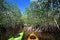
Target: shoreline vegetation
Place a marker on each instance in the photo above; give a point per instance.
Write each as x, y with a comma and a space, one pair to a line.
41, 17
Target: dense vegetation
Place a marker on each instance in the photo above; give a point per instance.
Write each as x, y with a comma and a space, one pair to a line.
10, 19
42, 14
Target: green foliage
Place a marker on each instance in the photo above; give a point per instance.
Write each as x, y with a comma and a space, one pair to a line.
41, 12
9, 14
38, 13
10, 19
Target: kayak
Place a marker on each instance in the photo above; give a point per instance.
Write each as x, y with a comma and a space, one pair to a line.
32, 36
17, 38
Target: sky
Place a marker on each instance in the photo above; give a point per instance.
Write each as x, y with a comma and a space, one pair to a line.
22, 4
